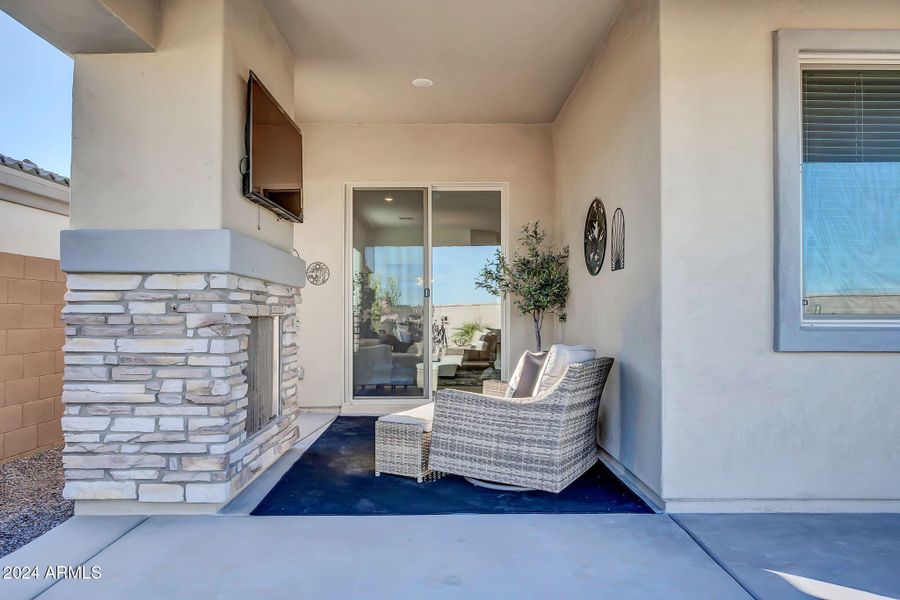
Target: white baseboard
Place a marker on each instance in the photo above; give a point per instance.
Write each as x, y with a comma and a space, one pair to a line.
746, 505
640, 488
782, 505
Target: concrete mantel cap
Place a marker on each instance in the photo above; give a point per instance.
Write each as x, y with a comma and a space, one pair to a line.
177, 251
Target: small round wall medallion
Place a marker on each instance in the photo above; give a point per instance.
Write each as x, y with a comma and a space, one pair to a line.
317, 273
595, 237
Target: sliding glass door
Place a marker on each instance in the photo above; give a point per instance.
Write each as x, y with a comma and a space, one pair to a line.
465, 235
419, 321
389, 267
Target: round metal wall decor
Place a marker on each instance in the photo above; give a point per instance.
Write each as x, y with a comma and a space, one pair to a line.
617, 241
595, 237
317, 273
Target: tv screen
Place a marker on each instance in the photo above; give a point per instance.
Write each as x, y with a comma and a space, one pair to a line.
273, 174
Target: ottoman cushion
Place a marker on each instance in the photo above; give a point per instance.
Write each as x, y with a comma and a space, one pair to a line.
420, 415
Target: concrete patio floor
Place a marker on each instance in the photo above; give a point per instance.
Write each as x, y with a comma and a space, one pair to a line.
455, 556
859, 551
620, 556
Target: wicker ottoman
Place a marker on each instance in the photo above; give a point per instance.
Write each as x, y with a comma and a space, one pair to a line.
402, 441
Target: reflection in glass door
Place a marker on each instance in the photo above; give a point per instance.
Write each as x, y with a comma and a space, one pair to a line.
389, 313
465, 234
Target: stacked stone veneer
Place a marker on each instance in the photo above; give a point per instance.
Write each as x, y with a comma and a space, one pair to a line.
154, 388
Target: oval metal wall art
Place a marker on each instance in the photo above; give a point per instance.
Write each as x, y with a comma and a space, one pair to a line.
617, 241
595, 237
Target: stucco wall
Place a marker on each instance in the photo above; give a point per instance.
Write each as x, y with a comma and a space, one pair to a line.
741, 421
253, 42
147, 128
158, 137
30, 231
489, 315
606, 144
337, 154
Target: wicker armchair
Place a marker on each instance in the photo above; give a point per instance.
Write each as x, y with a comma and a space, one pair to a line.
545, 442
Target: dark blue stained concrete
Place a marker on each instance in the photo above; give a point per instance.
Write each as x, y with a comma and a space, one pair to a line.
336, 476
860, 551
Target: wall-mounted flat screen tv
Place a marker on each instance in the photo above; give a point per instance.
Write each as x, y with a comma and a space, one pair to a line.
273, 170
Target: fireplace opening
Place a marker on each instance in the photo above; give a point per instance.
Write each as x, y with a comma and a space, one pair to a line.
263, 372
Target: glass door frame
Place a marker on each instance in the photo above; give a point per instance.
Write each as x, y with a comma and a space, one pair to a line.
382, 404
350, 399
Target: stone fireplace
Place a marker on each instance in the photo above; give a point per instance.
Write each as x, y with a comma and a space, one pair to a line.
156, 390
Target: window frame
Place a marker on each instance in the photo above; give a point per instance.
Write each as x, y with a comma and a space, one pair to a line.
796, 49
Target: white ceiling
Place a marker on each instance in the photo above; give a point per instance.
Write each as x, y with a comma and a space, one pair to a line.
492, 61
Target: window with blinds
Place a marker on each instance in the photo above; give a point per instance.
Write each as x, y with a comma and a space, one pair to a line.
851, 193
851, 116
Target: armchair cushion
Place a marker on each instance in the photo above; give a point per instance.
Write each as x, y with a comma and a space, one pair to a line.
558, 358
372, 365
525, 378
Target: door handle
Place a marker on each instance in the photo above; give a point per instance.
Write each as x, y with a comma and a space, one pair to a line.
428, 292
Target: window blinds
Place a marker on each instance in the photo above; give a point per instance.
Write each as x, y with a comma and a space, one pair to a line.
851, 116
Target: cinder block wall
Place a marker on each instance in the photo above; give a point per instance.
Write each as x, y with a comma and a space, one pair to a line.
32, 294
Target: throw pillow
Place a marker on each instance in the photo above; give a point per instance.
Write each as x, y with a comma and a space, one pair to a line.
559, 357
526, 376
479, 343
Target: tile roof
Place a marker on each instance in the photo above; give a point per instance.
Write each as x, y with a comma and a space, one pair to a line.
26, 166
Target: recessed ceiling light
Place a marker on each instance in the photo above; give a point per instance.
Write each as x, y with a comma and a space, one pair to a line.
388, 199
422, 82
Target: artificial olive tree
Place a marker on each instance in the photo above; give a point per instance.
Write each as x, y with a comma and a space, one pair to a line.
537, 278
